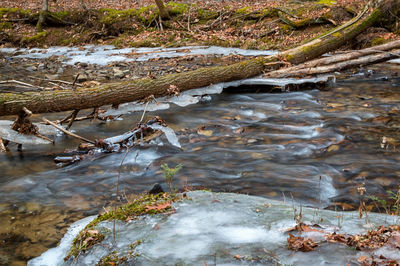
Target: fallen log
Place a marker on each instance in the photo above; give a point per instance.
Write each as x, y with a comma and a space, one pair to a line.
340, 61
347, 64
290, 71
132, 90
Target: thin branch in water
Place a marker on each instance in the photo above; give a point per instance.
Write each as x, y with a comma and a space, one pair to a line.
67, 132
144, 112
117, 193
73, 117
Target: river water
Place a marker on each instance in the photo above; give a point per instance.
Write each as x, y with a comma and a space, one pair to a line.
317, 146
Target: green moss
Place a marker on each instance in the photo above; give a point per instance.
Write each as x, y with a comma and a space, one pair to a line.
20, 11
111, 16
176, 8
114, 258
37, 39
378, 41
5, 25
269, 12
61, 15
243, 10
327, 2
111, 259
140, 206
84, 241
205, 15
147, 14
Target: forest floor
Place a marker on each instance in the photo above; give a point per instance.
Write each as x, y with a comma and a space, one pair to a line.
246, 24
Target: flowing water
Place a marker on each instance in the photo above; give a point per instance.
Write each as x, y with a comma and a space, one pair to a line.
317, 146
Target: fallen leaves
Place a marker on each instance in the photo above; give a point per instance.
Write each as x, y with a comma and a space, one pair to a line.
159, 207
301, 227
372, 240
298, 243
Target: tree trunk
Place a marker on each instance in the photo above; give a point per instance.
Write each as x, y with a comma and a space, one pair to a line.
132, 90
163, 11
43, 15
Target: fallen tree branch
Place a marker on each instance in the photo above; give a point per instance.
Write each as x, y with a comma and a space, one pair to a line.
285, 72
66, 131
384, 56
132, 90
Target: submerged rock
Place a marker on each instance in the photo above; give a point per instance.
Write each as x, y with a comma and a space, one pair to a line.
221, 228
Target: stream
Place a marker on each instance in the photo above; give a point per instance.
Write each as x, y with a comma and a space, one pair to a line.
315, 146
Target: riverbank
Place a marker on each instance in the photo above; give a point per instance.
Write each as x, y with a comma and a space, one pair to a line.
244, 24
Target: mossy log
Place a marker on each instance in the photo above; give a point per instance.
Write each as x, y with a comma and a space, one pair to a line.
131, 90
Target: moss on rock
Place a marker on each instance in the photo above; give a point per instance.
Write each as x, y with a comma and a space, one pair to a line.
143, 204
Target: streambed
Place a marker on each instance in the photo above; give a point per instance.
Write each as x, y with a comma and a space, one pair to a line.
318, 146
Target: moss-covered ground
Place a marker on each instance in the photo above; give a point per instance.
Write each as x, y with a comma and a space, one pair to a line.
267, 25
142, 204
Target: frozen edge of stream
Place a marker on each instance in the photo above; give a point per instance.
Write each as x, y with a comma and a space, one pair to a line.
105, 54
210, 222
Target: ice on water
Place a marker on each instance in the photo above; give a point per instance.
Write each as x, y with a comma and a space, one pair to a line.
169, 134
11, 135
225, 225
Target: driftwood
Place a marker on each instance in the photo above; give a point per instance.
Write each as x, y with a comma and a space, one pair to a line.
132, 90
141, 134
341, 61
343, 65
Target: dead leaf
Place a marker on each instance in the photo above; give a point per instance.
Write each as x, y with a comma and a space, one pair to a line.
205, 132
297, 243
159, 207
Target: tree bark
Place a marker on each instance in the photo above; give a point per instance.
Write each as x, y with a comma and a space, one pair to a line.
163, 11
365, 60
43, 15
339, 58
132, 90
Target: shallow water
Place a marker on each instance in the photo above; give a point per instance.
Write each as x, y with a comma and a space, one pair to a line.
317, 146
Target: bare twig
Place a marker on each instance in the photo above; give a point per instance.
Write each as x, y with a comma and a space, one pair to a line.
144, 111
44, 137
188, 21
58, 85
161, 26
59, 80
72, 119
75, 80
117, 192
20, 83
67, 132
